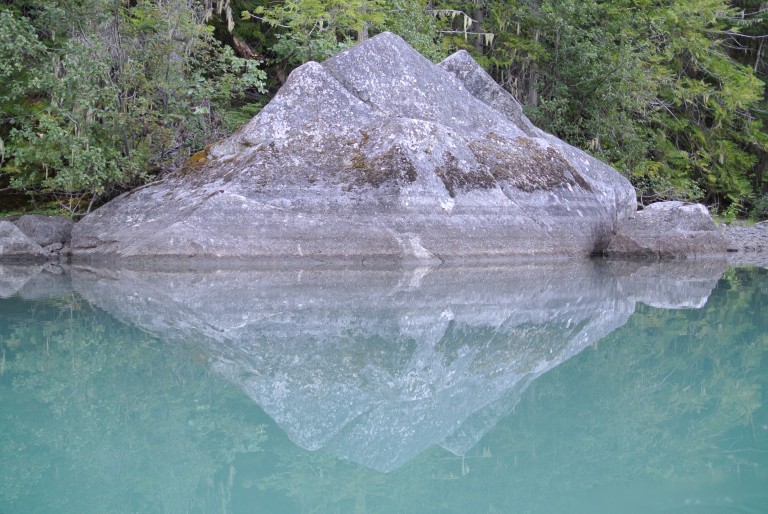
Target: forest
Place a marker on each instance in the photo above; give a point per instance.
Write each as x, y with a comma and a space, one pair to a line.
98, 97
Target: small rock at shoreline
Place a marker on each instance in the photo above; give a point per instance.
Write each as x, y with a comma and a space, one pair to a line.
747, 244
33, 238
667, 230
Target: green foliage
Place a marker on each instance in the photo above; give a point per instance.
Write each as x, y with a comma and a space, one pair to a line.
19, 47
71, 145
409, 20
133, 89
657, 181
317, 29
760, 208
707, 98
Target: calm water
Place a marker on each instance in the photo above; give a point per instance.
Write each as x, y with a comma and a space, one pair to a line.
577, 387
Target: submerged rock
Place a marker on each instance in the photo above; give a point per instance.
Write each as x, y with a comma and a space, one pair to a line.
375, 154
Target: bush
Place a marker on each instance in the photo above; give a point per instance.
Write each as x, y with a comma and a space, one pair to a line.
81, 121
760, 208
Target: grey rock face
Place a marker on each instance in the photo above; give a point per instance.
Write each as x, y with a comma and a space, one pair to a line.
376, 366
484, 88
375, 154
15, 246
46, 230
668, 230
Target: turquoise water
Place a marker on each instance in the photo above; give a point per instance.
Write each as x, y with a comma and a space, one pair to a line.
570, 387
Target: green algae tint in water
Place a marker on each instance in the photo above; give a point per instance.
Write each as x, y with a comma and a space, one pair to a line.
572, 388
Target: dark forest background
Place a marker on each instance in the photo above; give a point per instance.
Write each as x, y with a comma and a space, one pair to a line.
100, 96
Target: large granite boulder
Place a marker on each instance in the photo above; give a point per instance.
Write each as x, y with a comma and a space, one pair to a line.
15, 246
375, 154
668, 230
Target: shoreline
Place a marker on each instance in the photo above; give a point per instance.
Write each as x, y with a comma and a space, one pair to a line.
747, 244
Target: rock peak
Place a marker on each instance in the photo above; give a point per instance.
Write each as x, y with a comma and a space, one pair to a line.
376, 154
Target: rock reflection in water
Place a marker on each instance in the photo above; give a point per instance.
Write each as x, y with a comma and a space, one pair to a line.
34, 282
377, 365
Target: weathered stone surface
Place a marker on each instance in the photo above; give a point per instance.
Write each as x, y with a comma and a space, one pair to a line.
668, 230
375, 154
376, 366
15, 246
483, 87
46, 230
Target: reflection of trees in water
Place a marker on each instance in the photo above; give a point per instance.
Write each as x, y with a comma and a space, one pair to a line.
674, 396
100, 417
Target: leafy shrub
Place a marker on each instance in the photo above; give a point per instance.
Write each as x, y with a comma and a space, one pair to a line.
760, 208
133, 92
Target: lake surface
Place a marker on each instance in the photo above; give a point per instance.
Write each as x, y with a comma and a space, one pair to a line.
567, 387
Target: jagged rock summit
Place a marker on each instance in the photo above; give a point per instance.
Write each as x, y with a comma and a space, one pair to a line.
375, 154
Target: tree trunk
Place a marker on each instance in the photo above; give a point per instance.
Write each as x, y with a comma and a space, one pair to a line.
532, 96
477, 26
244, 50
362, 34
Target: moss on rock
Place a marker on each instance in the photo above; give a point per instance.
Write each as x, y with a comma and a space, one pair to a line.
526, 165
